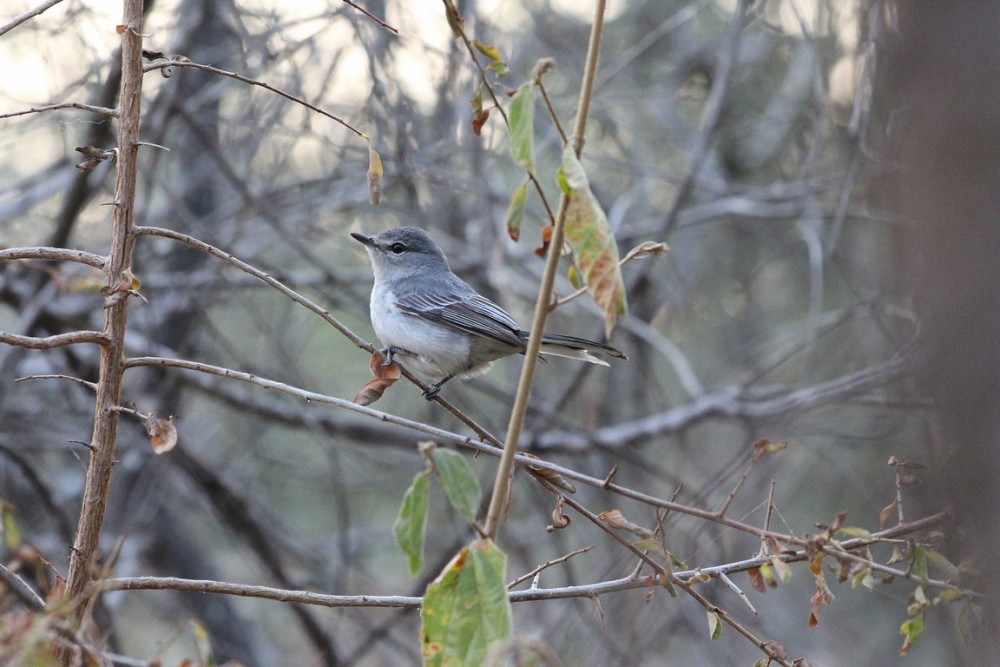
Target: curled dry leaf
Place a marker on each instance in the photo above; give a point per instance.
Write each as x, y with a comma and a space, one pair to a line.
162, 433
616, 519
384, 376
94, 157
646, 249
553, 478
559, 519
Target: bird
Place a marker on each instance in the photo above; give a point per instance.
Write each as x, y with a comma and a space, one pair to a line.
436, 324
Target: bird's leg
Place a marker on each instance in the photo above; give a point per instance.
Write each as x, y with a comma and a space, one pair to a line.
390, 354
434, 389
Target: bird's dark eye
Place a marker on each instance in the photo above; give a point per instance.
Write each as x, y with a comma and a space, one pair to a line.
397, 248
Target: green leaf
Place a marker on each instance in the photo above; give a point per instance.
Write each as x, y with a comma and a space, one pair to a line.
853, 531
466, 608
589, 234
515, 211
411, 525
459, 483
942, 564
714, 625
522, 126
919, 567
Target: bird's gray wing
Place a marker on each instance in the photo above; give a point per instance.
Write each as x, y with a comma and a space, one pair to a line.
470, 312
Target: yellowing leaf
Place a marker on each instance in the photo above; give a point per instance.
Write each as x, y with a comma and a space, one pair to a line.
491, 52
11, 531
515, 211
466, 609
588, 233
374, 176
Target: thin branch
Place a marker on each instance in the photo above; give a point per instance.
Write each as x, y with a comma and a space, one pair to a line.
104, 111
555, 561
23, 589
89, 385
31, 13
55, 255
253, 82
371, 16
104, 436
58, 340
245, 590
733, 402
260, 275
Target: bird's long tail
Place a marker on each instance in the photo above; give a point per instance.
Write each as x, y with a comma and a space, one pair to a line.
572, 347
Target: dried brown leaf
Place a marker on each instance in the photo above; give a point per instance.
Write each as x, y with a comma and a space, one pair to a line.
616, 519
162, 433
757, 580
385, 377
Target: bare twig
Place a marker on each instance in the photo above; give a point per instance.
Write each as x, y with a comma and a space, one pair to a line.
548, 564
57, 340
371, 16
23, 589
31, 13
55, 255
89, 385
65, 105
253, 82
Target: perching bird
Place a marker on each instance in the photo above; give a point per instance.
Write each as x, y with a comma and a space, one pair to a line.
436, 324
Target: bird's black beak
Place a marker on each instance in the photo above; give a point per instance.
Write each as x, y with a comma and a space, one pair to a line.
361, 238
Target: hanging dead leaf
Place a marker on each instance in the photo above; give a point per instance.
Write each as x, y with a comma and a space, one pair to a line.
546, 240
757, 580
162, 433
559, 519
385, 377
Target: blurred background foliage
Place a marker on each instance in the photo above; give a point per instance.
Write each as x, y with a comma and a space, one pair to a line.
775, 314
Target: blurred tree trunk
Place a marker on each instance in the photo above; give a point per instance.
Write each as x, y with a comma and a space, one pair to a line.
943, 67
